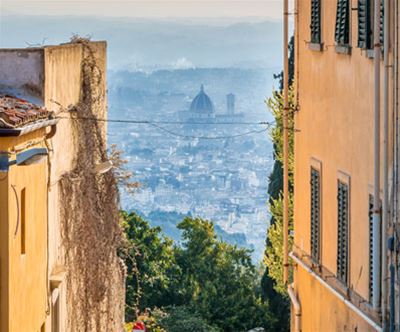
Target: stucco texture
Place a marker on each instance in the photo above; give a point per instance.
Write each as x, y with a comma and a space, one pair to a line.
335, 128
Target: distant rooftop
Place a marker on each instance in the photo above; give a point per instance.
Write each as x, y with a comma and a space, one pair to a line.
202, 103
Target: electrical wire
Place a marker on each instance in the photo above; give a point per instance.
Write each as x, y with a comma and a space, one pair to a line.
156, 124
164, 122
210, 137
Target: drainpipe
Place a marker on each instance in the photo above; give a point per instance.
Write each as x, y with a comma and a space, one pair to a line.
385, 201
376, 209
296, 307
285, 142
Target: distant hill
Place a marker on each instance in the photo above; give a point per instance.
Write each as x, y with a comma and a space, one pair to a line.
141, 43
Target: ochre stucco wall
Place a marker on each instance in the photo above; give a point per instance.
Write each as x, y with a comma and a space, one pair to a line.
24, 300
335, 123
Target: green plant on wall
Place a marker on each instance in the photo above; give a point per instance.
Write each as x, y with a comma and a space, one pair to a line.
272, 285
274, 242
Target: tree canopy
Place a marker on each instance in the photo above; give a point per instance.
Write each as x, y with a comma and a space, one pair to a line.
201, 280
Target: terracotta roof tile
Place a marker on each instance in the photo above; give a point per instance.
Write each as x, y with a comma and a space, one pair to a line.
16, 112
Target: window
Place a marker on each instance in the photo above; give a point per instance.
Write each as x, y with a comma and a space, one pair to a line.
342, 28
343, 232
315, 25
23, 221
366, 23
315, 183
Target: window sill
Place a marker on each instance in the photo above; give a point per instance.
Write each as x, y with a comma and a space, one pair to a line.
343, 49
319, 47
370, 54
327, 279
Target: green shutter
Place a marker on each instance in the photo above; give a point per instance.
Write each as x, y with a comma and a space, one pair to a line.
315, 25
342, 28
381, 23
315, 214
370, 249
364, 24
343, 232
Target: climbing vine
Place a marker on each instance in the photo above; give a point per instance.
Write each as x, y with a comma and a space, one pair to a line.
91, 235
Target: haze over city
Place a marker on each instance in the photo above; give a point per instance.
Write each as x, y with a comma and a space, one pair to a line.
270, 9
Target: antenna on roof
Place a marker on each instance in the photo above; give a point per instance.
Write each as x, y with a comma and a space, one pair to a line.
202, 88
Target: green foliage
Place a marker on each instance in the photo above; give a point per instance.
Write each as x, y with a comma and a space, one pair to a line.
208, 283
275, 105
272, 284
274, 251
291, 66
221, 278
182, 319
151, 266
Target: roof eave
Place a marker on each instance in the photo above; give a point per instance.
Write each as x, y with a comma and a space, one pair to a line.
13, 132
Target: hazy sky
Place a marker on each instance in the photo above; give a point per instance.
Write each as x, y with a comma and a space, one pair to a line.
147, 9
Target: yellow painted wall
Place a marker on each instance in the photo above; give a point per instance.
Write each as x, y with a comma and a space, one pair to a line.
24, 300
335, 123
321, 310
24, 279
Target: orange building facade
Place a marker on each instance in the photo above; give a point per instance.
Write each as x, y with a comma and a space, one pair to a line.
334, 165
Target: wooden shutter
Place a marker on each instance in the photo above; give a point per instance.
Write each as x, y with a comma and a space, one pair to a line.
381, 22
315, 26
343, 232
370, 249
342, 28
315, 184
364, 24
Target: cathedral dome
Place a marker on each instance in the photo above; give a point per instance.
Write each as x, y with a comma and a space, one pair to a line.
202, 103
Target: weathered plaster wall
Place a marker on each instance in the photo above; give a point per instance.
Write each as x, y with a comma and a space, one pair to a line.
83, 205
23, 69
62, 88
